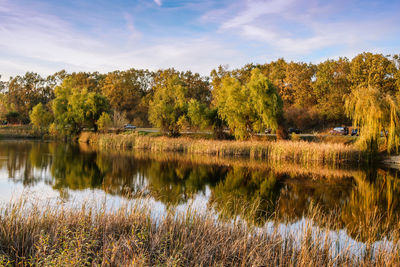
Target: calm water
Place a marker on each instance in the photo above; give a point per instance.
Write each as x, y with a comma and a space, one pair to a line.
231, 187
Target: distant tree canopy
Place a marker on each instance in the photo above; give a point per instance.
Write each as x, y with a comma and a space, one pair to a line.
126, 91
277, 94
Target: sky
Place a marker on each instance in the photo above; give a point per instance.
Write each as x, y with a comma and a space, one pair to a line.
46, 36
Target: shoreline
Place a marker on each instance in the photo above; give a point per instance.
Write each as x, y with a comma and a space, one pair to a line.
272, 151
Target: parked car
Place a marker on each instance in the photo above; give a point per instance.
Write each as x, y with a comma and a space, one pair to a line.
268, 131
4, 122
355, 132
340, 131
129, 127
294, 130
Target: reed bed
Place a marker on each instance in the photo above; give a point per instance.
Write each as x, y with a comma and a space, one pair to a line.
56, 235
274, 151
18, 132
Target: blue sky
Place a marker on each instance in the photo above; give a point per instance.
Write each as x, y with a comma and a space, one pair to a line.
46, 36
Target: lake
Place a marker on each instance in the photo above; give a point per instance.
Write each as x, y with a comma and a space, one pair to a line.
232, 188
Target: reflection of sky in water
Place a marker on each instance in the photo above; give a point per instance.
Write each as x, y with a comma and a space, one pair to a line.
41, 189
339, 240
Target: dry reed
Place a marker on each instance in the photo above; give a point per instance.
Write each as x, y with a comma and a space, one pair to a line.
43, 235
274, 151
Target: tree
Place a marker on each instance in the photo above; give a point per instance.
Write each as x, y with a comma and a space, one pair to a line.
25, 92
248, 107
76, 107
40, 118
276, 73
104, 122
297, 88
198, 114
374, 112
173, 91
168, 105
126, 91
373, 70
331, 84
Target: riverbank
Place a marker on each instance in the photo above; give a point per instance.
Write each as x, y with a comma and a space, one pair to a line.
57, 235
18, 132
274, 151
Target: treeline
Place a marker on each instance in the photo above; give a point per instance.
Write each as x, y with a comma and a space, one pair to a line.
274, 95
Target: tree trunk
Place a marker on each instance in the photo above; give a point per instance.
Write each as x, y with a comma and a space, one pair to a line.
281, 133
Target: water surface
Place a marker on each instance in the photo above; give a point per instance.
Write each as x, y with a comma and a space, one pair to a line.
232, 187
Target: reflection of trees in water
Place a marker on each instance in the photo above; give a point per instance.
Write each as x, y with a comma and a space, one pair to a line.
25, 162
374, 206
175, 182
74, 170
299, 193
252, 193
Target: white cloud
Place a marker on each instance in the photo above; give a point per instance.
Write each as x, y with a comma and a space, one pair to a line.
158, 2
301, 27
134, 33
43, 43
256, 8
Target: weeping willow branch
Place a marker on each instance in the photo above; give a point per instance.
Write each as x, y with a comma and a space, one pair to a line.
375, 113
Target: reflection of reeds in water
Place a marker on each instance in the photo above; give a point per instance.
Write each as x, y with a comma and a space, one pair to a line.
273, 151
325, 172
48, 235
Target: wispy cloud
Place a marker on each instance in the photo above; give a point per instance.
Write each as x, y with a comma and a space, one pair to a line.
47, 37
134, 33
302, 27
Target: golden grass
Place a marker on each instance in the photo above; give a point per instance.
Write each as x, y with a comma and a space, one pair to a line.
274, 151
18, 131
54, 235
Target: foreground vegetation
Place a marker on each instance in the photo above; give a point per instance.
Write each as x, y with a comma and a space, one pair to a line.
273, 151
37, 234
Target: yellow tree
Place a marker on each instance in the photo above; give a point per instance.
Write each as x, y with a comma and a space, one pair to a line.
375, 113
248, 107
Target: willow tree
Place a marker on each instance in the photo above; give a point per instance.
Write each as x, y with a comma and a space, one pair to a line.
375, 114
248, 107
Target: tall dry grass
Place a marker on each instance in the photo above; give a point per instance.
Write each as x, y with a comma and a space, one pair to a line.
274, 151
48, 235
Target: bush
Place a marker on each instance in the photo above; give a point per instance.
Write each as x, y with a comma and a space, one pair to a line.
104, 122
40, 118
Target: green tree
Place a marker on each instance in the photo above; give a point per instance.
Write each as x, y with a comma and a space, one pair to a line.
104, 122
172, 93
40, 118
374, 112
198, 114
168, 105
75, 108
249, 107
